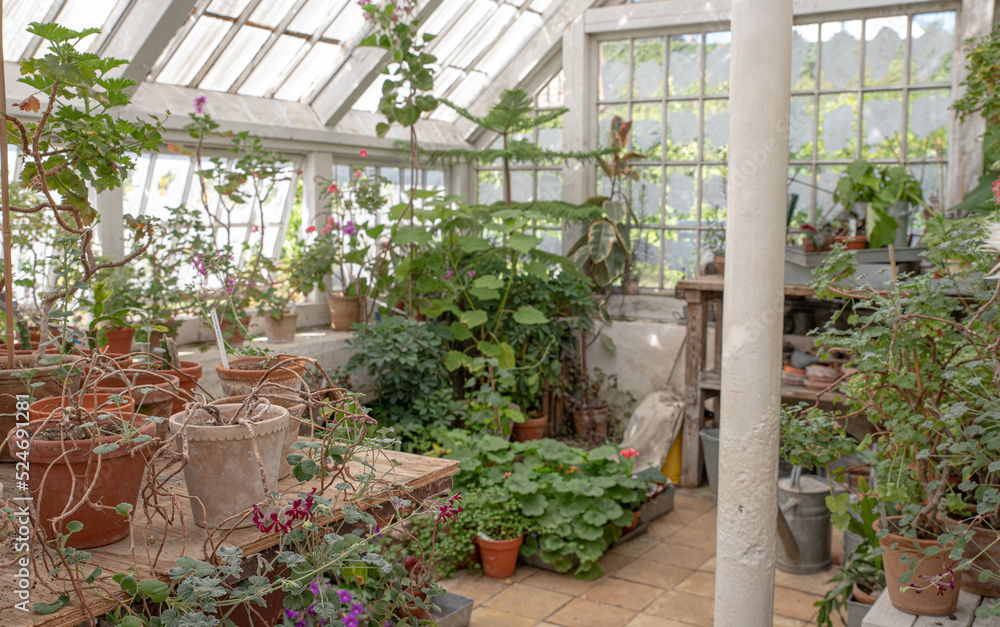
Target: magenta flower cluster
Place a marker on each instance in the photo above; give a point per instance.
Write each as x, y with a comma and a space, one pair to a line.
449, 508
199, 105
300, 509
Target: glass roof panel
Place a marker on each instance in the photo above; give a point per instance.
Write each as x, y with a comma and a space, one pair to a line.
315, 13
452, 37
237, 55
194, 51
369, 100
272, 67
270, 12
90, 14
523, 29
486, 36
349, 24
314, 68
539, 5
446, 13
229, 8
17, 14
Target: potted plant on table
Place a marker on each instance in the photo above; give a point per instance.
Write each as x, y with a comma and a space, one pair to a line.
500, 528
817, 239
876, 204
276, 304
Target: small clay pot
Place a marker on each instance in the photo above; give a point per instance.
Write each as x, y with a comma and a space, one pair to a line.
630, 287
16, 382
188, 375
102, 403
153, 391
499, 556
863, 597
244, 373
70, 469
227, 451
531, 429
119, 341
296, 410
933, 602
234, 331
720, 264
345, 311
635, 523
852, 242
281, 331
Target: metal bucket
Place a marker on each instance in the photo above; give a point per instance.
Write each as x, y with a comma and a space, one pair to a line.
710, 450
803, 505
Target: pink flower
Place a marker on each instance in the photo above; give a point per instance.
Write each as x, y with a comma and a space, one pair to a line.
996, 191
333, 188
255, 229
349, 228
506, 474
629, 453
363, 153
447, 275
326, 230
357, 174
471, 273
199, 104
310, 229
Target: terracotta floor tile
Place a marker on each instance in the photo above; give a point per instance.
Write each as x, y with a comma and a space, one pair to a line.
696, 536
662, 529
653, 572
815, 583
784, 621
490, 617
477, 588
692, 504
522, 573
637, 547
679, 555
700, 584
623, 593
526, 600
648, 620
584, 613
612, 561
794, 604
683, 608
708, 565
565, 583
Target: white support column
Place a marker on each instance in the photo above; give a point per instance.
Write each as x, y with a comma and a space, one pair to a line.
751, 359
111, 228
577, 123
318, 165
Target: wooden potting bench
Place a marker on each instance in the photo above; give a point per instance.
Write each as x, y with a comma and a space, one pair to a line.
414, 477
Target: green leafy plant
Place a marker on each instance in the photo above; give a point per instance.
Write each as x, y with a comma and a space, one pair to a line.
880, 188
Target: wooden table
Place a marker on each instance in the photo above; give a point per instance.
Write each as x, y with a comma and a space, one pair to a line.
883, 614
416, 477
700, 293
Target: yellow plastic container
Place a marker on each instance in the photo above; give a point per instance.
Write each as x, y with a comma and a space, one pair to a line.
672, 465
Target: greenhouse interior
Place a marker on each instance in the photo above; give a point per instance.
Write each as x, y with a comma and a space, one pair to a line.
364, 313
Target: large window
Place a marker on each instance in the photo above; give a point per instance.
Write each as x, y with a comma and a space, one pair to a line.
877, 88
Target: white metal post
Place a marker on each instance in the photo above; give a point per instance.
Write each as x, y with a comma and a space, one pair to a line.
760, 94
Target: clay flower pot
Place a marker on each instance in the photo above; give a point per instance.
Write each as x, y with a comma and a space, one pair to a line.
56, 379
296, 410
102, 403
630, 287
281, 331
635, 522
983, 550
233, 332
863, 597
936, 600
244, 373
345, 311
153, 392
531, 429
499, 556
852, 242
227, 451
119, 341
188, 375
70, 468
720, 264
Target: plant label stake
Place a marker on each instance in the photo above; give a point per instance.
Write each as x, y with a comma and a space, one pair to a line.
218, 338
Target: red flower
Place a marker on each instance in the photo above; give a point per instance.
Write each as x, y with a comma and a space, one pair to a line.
333, 188
310, 229
363, 153
629, 453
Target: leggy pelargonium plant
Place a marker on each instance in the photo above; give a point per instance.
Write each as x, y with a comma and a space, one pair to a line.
74, 144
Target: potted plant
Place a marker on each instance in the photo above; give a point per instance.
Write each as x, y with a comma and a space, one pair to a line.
876, 204
715, 242
153, 392
277, 307
283, 374
296, 413
817, 239
500, 528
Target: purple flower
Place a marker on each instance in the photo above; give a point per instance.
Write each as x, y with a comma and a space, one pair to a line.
199, 265
199, 104
350, 621
314, 587
292, 614
471, 273
345, 596
349, 228
447, 275
357, 609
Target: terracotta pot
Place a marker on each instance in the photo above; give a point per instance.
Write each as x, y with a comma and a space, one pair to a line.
244, 373
345, 311
153, 392
281, 331
119, 341
630, 287
270, 614
863, 597
68, 476
188, 375
931, 602
54, 379
499, 556
808, 246
227, 451
720, 264
90, 402
232, 332
296, 411
531, 429
635, 523
852, 242
592, 420
983, 549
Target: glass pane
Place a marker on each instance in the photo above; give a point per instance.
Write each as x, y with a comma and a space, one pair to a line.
435, 180
649, 73
269, 12
314, 14
272, 66
933, 180
685, 65
717, 50
646, 257
551, 96
348, 23
682, 188
800, 190
613, 73
801, 125
490, 187
841, 50
929, 118
647, 195
167, 187
647, 130
17, 14
933, 36
713, 194
522, 187
550, 137
194, 51
679, 256
314, 69
485, 36
503, 49
604, 116
229, 8
134, 187
884, 47
716, 130
682, 131
238, 54
826, 183
838, 121
804, 42
550, 185
883, 125
551, 240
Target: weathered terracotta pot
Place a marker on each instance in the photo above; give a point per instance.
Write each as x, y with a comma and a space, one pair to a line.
102, 403
630, 287
635, 522
932, 602
983, 549
295, 410
531, 429
226, 451
345, 311
153, 392
63, 471
499, 556
281, 331
863, 597
119, 341
852, 242
244, 373
233, 332
188, 375
57, 379
720, 264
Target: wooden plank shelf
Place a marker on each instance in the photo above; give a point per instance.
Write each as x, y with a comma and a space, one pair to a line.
414, 476
883, 614
711, 380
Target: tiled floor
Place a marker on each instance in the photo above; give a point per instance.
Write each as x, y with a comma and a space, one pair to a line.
664, 578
